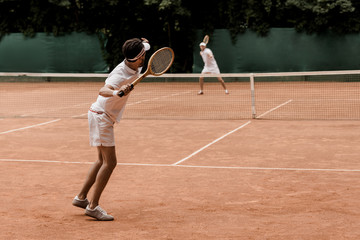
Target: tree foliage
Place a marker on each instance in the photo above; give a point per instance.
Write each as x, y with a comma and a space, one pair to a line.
173, 22
316, 16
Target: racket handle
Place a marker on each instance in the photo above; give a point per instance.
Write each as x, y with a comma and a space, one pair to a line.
121, 93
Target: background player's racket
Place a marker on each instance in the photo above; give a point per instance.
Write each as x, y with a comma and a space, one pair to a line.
206, 39
158, 64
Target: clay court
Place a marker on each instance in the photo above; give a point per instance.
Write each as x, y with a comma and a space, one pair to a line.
181, 175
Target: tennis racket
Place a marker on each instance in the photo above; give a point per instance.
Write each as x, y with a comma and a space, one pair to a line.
158, 64
206, 39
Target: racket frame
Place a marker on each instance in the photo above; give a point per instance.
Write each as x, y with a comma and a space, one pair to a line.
206, 39
149, 71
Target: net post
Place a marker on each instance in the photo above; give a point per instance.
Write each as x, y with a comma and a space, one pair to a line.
252, 87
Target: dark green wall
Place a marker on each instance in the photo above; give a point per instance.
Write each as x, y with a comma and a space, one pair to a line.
77, 52
283, 50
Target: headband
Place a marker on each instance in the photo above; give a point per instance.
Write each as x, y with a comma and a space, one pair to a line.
146, 46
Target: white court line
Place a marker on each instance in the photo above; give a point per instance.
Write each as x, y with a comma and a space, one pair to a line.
208, 145
142, 101
279, 169
273, 109
157, 98
53, 109
42, 161
193, 166
36, 125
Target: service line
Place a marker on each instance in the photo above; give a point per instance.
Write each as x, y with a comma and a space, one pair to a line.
36, 125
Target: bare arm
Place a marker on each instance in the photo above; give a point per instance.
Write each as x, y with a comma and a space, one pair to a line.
108, 90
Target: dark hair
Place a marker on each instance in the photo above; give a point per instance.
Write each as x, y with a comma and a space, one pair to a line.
132, 48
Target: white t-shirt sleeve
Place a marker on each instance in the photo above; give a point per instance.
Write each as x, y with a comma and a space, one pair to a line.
115, 81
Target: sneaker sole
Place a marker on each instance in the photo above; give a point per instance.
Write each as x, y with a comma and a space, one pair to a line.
89, 214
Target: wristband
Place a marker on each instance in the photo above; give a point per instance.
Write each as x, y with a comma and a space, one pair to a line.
115, 93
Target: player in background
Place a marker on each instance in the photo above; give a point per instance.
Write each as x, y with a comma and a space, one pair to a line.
210, 67
102, 116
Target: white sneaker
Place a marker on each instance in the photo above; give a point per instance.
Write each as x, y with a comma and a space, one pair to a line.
226, 91
200, 92
98, 213
80, 203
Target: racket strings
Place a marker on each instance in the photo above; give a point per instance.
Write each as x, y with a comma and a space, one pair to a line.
161, 61
206, 39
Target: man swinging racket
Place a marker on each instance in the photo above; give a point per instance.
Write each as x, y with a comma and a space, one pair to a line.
102, 115
210, 65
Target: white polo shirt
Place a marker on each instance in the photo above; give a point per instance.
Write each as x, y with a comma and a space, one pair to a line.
115, 106
210, 65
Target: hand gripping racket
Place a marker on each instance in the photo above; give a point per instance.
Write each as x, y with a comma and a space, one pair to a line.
158, 64
206, 39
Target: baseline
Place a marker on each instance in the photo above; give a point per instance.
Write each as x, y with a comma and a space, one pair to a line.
192, 166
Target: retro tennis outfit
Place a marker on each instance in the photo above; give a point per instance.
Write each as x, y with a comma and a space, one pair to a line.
106, 111
210, 65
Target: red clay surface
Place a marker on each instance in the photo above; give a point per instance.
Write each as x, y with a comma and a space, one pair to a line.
266, 180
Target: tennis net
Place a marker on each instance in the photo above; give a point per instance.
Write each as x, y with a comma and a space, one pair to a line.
333, 95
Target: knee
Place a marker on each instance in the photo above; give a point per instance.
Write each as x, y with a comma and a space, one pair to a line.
111, 165
99, 162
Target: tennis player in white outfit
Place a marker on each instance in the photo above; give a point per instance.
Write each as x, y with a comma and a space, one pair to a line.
210, 67
102, 115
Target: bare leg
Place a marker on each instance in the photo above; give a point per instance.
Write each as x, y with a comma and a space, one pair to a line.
99, 174
222, 82
108, 165
90, 180
201, 81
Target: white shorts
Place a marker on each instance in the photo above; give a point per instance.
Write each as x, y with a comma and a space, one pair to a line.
211, 70
101, 130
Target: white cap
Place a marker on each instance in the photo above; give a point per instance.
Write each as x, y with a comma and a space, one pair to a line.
203, 44
146, 46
